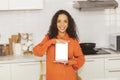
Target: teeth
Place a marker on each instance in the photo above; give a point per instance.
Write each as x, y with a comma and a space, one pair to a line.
61, 27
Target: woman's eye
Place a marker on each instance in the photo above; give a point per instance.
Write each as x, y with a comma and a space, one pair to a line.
66, 21
58, 21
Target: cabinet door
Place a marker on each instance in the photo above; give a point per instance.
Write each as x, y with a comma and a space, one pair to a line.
112, 63
114, 73
112, 67
3, 4
5, 72
25, 4
93, 68
25, 71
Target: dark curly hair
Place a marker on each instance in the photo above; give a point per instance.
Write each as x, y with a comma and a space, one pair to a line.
71, 30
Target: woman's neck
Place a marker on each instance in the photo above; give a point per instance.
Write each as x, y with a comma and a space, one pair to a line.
62, 34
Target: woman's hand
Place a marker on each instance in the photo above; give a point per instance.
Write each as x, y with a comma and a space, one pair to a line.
61, 62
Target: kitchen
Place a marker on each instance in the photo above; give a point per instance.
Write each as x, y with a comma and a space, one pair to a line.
93, 26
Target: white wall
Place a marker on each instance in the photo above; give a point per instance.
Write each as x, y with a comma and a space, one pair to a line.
93, 26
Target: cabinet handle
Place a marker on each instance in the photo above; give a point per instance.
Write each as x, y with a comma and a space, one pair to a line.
114, 59
89, 60
114, 71
26, 64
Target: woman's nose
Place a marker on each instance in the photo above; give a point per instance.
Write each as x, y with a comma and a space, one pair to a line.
62, 23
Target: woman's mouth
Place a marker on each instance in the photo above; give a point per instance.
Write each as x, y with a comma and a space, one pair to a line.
62, 28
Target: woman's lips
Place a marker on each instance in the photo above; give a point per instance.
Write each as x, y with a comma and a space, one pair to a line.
62, 28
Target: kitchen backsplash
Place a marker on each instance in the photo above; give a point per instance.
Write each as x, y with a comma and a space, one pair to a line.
93, 26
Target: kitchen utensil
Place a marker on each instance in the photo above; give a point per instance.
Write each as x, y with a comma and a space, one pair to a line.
10, 46
87, 45
88, 48
17, 49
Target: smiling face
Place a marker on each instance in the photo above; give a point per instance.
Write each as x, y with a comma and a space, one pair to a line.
62, 24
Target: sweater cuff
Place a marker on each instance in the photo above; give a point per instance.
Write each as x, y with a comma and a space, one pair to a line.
72, 62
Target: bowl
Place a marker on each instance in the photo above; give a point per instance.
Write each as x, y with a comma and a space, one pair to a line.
87, 45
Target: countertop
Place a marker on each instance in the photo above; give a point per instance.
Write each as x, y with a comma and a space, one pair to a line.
112, 53
32, 58
107, 79
16, 59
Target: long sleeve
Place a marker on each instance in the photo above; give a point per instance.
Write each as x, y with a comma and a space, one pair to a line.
78, 59
42, 47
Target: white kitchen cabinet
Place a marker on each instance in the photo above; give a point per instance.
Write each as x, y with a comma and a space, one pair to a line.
25, 4
21, 4
5, 72
25, 71
93, 68
112, 67
3, 4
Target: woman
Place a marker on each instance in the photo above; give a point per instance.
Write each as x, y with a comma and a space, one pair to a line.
62, 29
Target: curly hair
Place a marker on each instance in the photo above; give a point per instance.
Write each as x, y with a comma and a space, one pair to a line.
71, 30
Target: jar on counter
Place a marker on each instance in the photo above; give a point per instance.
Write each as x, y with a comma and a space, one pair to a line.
4, 49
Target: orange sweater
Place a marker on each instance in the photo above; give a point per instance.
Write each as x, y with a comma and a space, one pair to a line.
58, 71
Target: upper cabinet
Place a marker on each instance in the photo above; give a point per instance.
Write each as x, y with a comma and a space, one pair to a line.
21, 4
26, 4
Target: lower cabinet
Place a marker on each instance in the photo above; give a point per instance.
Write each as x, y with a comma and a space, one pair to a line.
112, 67
20, 71
25, 71
5, 72
93, 68
112, 73
97, 68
